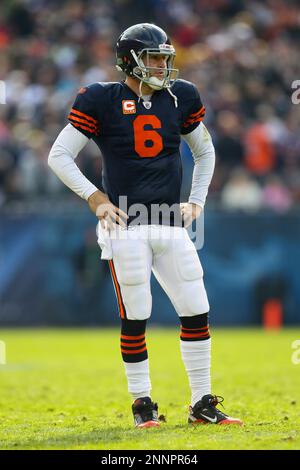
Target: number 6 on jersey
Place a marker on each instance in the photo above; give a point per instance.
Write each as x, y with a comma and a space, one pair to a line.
141, 136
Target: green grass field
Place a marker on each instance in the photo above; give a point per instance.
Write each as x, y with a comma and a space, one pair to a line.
66, 389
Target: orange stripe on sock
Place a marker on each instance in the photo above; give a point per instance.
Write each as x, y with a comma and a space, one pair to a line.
137, 351
119, 297
194, 335
133, 337
131, 345
193, 329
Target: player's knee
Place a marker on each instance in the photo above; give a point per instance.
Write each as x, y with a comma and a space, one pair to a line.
192, 291
194, 298
138, 301
195, 322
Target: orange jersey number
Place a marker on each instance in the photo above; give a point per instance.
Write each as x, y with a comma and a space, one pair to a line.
141, 136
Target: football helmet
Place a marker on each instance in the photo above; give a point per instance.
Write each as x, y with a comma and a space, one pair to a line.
134, 48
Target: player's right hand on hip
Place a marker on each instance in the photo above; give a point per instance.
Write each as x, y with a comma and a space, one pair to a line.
111, 214
106, 211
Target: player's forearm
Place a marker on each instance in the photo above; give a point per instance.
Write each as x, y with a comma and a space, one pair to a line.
203, 152
202, 176
61, 160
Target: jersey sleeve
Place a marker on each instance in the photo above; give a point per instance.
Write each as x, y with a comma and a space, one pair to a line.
83, 115
194, 111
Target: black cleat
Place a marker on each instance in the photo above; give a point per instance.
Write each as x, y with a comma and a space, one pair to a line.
205, 412
145, 413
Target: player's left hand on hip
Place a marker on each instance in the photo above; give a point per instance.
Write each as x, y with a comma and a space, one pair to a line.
189, 212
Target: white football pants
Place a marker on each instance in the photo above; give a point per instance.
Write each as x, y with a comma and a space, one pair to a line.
171, 255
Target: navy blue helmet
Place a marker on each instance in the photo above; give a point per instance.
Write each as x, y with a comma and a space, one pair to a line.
134, 47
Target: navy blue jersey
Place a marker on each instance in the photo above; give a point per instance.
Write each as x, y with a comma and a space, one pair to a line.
139, 144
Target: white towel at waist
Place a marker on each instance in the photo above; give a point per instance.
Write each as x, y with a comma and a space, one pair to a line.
104, 241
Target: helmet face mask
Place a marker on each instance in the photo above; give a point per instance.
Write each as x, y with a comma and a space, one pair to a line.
148, 74
135, 47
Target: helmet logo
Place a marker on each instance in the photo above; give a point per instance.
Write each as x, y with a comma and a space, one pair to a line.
167, 47
128, 107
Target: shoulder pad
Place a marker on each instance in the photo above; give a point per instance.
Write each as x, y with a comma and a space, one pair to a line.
185, 89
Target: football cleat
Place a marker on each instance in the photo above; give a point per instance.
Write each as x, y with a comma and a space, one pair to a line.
145, 413
205, 412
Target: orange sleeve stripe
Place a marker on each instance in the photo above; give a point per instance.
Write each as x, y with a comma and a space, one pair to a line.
196, 117
133, 337
86, 116
84, 121
191, 119
189, 123
200, 110
118, 292
137, 351
133, 345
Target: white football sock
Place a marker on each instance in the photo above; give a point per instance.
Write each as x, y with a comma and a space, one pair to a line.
137, 373
196, 358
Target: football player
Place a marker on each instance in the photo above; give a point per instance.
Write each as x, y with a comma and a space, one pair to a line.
137, 125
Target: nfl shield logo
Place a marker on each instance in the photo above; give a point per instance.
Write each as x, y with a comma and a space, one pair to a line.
147, 104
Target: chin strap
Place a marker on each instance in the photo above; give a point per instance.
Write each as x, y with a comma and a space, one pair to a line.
140, 91
168, 90
173, 96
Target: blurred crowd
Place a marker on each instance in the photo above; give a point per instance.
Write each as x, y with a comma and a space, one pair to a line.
242, 55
